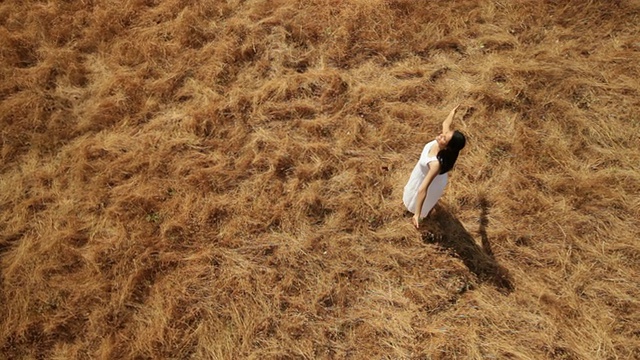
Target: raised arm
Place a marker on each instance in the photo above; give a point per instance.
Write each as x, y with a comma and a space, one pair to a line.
434, 169
446, 125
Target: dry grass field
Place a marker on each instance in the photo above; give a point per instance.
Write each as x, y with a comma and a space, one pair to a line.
216, 179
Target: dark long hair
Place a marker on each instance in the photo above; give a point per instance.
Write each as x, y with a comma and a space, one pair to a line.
448, 156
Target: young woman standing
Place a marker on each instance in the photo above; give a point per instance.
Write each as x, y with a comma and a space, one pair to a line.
429, 177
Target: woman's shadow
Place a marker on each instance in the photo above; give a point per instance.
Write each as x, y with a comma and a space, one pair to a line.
444, 229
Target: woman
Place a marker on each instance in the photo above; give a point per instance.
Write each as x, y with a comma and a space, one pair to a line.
429, 176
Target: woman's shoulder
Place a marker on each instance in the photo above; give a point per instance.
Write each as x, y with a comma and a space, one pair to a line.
427, 147
426, 156
430, 148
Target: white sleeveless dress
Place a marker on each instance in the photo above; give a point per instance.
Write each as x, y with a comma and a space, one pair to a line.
435, 190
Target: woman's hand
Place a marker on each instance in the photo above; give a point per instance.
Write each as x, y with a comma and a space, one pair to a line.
446, 125
415, 220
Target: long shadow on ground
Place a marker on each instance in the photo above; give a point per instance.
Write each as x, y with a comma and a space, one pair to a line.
443, 229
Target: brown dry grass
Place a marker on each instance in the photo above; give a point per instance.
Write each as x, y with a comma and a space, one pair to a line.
223, 179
